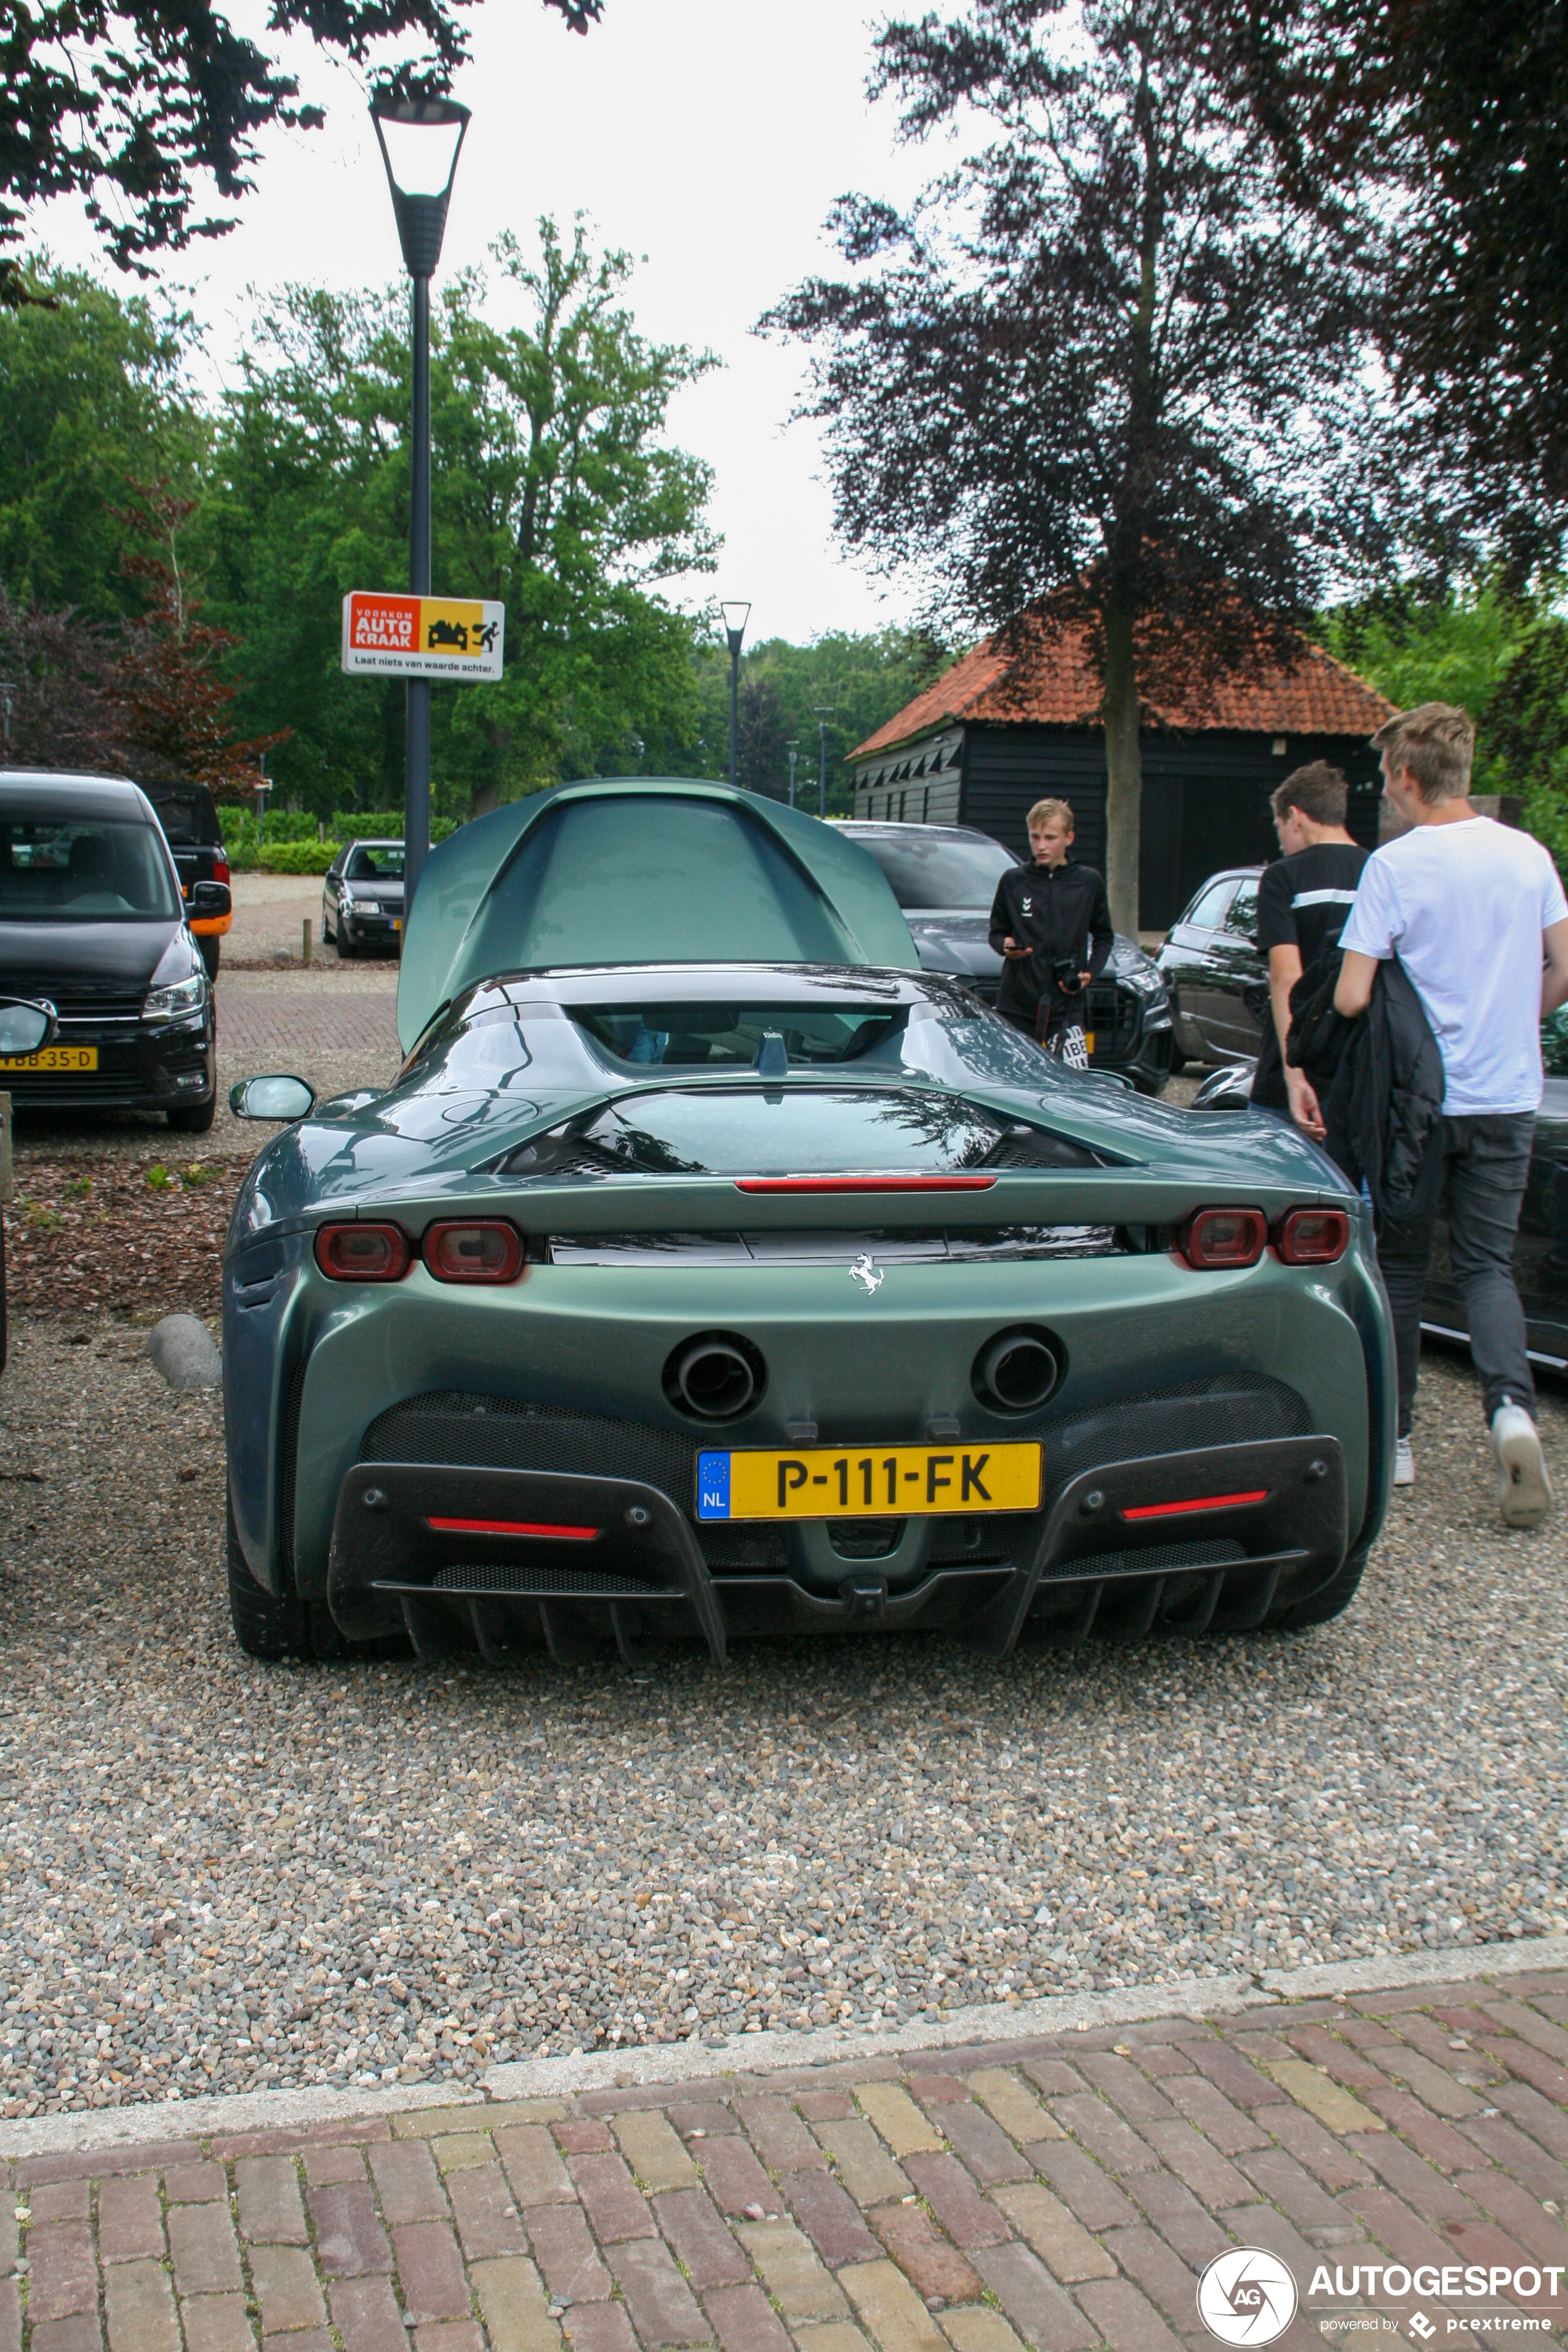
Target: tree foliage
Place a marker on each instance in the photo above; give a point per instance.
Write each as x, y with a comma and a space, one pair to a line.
93, 398
143, 696
1502, 657
1434, 135
554, 490
139, 107
1099, 361
856, 682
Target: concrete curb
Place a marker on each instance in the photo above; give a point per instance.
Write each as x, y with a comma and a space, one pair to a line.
761, 2053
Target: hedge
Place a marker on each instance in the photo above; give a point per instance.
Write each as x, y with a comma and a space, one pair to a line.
296, 857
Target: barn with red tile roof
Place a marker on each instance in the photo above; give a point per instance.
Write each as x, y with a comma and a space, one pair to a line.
1016, 719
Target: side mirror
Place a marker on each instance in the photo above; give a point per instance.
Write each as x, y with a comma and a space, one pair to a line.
24, 1027
279, 1098
210, 899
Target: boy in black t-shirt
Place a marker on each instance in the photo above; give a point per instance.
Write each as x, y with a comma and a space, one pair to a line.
1304, 901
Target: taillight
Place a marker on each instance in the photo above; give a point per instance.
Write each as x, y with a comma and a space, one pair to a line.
220, 866
1215, 1239
362, 1253
481, 1249
1313, 1236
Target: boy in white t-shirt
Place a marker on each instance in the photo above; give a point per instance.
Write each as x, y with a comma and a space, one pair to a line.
1476, 914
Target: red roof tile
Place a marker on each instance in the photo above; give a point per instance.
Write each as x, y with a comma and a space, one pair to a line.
1050, 681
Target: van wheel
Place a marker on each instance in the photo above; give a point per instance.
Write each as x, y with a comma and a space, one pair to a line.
193, 1118
210, 946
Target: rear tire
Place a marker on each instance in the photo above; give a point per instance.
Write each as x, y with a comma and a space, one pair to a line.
1335, 1597
342, 945
210, 946
264, 1626
193, 1118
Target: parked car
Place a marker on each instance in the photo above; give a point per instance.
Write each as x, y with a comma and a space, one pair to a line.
26, 1030
188, 814
1217, 979
710, 1269
92, 922
1219, 986
362, 897
945, 876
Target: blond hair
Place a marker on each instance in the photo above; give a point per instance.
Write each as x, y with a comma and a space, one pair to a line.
1044, 811
1435, 745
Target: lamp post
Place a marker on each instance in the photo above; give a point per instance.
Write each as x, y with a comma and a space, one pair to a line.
419, 140
823, 712
735, 618
793, 747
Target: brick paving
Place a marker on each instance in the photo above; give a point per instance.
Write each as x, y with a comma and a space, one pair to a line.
312, 1016
1059, 2194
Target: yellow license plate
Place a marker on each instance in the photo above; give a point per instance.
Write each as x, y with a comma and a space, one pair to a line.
1088, 1040
865, 1482
53, 1058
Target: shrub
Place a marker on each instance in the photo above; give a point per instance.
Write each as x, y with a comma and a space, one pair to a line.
295, 856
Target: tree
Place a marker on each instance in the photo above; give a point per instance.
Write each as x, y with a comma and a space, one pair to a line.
92, 397
1435, 134
858, 680
555, 491
136, 106
61, 710
174, 709
143, 696
1098, 361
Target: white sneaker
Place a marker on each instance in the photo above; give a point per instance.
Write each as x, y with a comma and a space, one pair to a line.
1524, 1490
1403, 1463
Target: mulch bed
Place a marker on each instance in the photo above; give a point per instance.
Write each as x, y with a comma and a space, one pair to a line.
118, 1237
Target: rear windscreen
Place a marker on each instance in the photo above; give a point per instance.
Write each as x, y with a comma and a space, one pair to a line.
938, 871
709, 1035
56, 869
188, 818
791, 1132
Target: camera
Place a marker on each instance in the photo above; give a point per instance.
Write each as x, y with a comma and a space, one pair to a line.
1065, 973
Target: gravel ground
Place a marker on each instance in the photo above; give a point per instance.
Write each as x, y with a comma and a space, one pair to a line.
219, 1876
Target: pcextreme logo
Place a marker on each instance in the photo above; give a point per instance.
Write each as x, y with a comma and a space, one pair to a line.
1247, 2296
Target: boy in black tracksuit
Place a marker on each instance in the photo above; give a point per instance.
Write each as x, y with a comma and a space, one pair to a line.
1043, 914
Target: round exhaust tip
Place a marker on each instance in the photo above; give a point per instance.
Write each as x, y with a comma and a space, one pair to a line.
1018, 1371
717, 1376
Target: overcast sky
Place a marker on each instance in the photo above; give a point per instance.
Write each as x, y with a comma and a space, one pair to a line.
711, 135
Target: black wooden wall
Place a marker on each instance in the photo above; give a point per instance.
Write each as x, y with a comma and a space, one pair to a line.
1205, 798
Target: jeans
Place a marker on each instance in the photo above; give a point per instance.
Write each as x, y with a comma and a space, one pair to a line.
1485, 1162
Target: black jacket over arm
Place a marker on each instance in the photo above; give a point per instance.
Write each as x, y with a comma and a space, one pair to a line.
1053, 910
1379, 1083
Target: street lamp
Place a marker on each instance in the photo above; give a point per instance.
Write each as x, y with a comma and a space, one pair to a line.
823, 712
419, 140
793, 747
735, 618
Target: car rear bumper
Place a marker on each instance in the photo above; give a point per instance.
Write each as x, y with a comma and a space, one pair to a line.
1213, 1538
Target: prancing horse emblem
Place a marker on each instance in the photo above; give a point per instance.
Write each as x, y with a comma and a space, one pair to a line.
864, 1270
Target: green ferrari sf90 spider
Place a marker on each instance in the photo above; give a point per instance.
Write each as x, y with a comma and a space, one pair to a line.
709, 1270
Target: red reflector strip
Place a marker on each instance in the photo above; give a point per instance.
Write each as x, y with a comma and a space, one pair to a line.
509, 1528
864, 1183
1200, 1503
